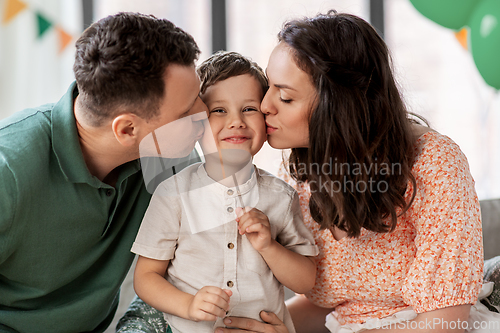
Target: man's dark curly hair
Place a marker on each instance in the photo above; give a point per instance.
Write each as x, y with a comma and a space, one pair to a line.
121, 60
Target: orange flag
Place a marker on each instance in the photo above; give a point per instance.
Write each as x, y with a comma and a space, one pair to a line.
461, 36
12, 8
64, 38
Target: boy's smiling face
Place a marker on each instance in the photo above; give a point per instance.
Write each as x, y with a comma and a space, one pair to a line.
234, 113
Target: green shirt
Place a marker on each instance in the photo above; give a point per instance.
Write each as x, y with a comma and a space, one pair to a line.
65, 236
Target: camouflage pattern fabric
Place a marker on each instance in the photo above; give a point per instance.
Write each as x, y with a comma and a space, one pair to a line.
142, 318
492, 273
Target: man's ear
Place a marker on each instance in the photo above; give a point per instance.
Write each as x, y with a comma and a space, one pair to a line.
126, 129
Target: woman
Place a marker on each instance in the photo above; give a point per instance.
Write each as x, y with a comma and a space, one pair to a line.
391, 203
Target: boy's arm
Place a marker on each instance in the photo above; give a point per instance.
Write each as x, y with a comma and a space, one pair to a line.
293, 270
152, 287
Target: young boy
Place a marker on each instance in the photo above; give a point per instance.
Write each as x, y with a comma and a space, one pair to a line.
201, 255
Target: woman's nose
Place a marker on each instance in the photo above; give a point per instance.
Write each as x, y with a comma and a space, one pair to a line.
266, 106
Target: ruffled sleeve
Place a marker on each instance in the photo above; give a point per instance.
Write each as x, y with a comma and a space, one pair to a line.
447, 269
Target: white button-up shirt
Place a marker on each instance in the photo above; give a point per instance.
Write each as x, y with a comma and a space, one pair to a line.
191, 222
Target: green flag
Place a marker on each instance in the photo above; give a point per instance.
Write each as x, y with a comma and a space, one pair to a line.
43, 24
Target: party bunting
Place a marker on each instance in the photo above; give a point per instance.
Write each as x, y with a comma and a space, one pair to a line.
12, 8
461, 36
64, 38
43, 24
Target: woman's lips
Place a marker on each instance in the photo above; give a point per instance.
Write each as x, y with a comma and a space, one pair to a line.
270, 129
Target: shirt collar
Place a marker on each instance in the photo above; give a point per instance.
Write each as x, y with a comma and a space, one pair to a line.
67, 147
216, 186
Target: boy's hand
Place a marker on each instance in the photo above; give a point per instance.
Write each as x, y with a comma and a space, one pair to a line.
255, 225
209, 303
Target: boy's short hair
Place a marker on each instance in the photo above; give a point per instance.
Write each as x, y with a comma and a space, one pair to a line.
225, 64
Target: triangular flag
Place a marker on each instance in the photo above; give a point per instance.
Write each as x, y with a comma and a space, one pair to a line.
12, 8
64, 38
43, 24
461, 36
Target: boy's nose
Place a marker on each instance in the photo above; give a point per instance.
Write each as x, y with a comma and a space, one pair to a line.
236, 121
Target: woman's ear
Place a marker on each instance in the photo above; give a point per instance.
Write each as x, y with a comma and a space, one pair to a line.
125, 127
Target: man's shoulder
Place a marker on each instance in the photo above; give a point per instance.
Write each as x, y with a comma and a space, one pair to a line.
27, 126
25, 137
27, 118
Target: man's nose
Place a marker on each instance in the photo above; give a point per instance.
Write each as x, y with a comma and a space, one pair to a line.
199, 106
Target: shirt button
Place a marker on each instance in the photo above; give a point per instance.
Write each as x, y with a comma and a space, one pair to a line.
230, 245
230, 192
109, 193
230, 284
230, 209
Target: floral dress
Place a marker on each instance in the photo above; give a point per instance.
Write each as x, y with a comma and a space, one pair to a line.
433, 259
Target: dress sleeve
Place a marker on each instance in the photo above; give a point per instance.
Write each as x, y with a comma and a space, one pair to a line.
160, 227
447, 269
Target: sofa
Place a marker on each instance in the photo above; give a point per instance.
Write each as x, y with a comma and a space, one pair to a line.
490, 216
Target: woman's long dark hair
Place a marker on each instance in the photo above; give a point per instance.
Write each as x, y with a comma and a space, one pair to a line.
361, 152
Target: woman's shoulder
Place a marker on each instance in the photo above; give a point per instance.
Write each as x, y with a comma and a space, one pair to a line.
438, 156
432, 145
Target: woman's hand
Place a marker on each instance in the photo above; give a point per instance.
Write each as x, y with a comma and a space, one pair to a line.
271, 324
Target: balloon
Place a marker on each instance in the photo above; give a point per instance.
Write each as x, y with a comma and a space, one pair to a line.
485, 40
453, 14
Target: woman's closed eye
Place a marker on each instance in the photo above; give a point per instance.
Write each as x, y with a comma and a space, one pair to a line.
285, 100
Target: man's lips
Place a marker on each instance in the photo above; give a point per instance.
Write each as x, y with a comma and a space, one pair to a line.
270, 129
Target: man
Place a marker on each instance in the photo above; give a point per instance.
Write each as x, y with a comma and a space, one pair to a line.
72, 193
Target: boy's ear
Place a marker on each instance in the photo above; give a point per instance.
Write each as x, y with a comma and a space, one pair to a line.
125, 127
